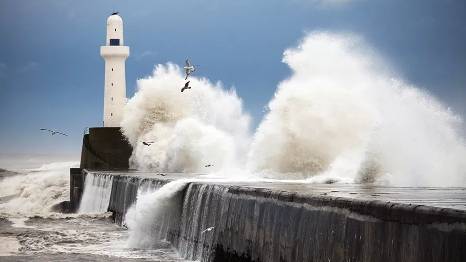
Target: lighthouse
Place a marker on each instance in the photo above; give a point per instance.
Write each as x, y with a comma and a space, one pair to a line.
105, 148
114, 53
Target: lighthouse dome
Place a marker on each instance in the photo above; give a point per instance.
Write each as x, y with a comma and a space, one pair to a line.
114, 30
114, 19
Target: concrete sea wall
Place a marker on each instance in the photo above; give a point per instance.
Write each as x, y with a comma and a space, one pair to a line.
266, 224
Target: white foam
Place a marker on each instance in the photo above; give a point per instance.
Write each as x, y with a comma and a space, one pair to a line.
343, 114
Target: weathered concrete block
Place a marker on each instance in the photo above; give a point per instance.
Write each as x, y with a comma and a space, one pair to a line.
105, 148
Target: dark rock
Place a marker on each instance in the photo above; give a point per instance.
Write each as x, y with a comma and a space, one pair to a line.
64, 207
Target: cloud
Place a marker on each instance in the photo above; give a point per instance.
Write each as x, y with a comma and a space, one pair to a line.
145, 54
29, 66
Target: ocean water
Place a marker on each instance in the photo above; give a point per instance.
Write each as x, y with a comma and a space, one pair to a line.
29, 230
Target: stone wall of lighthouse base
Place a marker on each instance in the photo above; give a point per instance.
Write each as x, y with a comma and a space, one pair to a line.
263, 223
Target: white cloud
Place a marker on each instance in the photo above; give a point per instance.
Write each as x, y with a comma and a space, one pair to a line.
145, 54
29, 66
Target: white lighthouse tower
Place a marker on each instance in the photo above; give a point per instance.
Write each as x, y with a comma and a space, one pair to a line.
115, 53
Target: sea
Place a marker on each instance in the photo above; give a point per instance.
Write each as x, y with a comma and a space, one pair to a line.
31, 231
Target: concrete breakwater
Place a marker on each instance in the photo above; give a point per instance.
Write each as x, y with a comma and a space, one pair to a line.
290, 222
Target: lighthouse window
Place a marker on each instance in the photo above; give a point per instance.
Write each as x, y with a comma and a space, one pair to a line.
112, 69
114, 41
112, 84
112, 98
115, 29
111, 114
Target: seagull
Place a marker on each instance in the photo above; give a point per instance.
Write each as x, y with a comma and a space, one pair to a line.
147, 143
186, 86
209, 165
188, 69
53, 132
207, 230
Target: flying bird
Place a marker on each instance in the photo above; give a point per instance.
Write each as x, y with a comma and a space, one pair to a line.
147, 143
188, 69
53, 132
186, 86
207, 230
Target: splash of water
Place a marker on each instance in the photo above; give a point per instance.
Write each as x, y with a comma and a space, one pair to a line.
343, 114
201, 126
146, 217
36, 191
340, 116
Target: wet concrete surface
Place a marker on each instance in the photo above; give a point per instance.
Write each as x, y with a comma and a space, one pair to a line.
439, 197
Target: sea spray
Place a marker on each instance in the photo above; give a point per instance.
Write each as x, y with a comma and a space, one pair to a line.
342, 113
37, 190
189, 130
147, 219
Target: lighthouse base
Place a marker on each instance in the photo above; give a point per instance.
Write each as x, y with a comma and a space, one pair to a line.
105, 148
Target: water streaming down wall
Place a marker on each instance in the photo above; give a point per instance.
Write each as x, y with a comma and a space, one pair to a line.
97, 192
203, 209
254, 224
262, 225
125, 191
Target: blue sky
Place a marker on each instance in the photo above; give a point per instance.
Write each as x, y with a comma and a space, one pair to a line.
51, 74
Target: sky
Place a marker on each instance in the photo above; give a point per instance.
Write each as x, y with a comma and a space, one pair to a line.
51, 73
